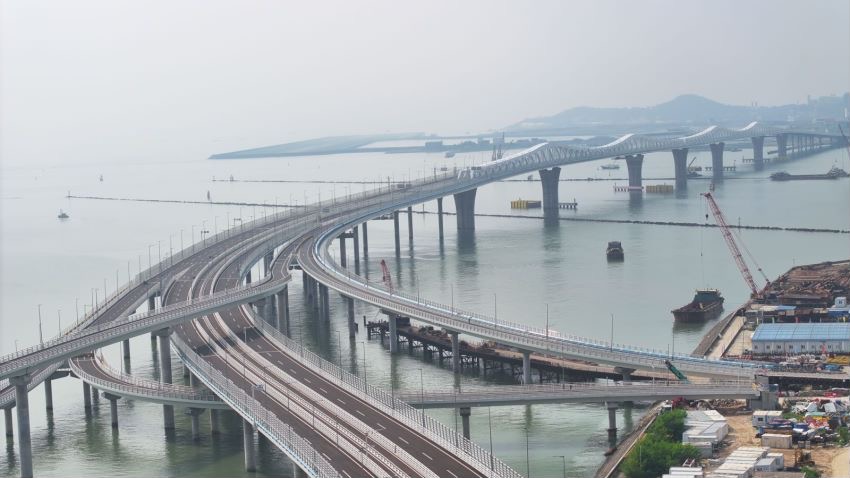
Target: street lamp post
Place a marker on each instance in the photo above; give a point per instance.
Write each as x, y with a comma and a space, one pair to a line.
40, 336
422, 395
564, 460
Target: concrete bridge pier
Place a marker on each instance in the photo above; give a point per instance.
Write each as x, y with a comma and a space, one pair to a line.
248, 277
215, 422
10, 427
393, 326
125, 348
680, 164
113, 408
465, 207
282, 310
465, 412
365, 240
526, 368
758, 152
455, 351
717, 160
634, 164
612, 421
549, 180
343, 259
86, 396
269, 312
410, 225
23, 408
297, 472
782, 145
352, 326
397, 238
195, 415
48, 394
248, 434
356, 238
440, 218
165, 373
324, 302
95, 395
626, 373
267, 261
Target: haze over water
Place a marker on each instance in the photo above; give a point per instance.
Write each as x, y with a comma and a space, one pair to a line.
513, 268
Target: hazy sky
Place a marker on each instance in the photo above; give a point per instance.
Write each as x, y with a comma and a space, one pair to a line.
185, 79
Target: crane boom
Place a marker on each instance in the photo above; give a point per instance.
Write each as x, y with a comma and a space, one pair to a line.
387, 278
730, 241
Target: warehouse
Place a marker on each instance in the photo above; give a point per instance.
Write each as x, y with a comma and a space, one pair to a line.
808, 338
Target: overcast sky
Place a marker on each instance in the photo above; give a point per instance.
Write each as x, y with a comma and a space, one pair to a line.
188, 79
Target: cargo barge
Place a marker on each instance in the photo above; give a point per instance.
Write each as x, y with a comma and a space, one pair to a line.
833, 173
707, 304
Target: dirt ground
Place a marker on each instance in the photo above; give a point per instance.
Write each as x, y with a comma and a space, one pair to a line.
832, 462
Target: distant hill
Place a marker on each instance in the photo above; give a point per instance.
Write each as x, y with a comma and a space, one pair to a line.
691, 109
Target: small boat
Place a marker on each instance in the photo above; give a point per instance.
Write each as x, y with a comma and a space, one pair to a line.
62, 215
610, 166
694, 174
450, 154
101, 178
707, 304
444, 168
615, 251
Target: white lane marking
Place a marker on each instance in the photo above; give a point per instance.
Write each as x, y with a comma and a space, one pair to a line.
450, 472
346, 473
405, 441
323, 390
426, 456
280, 362
340, 401
326, 456
360, 413
307, 380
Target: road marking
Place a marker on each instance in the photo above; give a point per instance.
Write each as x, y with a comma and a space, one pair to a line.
346, 473
326, 456
280, 362
450, 472
307, 380
323, 390
340, 401
360, 413
426, 456
405, 441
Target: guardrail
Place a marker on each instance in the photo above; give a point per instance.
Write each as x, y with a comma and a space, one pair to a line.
283, 435
392, 406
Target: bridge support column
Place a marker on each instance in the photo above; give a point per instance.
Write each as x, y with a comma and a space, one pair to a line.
48, 394
283, 311
215, 422
343, 259
782, 145
397, 239
410, 225
626, 373
269, 313
195, 415
355, 233
717, 160
248, 442
297, 472
680, 165
526, 368
267, 262
23, 408
165, 374
758, 152
634, 164
324, 302
393, 330
440, 218
455, 351
465, 207
113, 408
612, 421
152, 303
10, 427
465, 412
352, 326
549, 180
86, 396
365, 240
95, 395
248, 277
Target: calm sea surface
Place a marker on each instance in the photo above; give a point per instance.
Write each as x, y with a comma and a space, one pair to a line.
513, 268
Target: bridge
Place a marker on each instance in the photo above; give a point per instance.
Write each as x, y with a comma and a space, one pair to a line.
328, 422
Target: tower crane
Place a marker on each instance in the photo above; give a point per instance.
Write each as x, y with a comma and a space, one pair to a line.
733, 247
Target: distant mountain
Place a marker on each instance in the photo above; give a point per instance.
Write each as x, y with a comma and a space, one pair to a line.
691, 109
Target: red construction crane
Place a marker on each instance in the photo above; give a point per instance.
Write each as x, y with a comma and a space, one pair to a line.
733, 247
387, 279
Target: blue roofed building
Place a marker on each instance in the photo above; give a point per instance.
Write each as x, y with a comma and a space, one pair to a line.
808, 338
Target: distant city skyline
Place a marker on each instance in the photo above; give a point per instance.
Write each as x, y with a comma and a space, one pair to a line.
158, 79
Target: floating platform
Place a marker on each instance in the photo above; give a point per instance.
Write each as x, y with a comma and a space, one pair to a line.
627, 189
526, 204
660, 188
